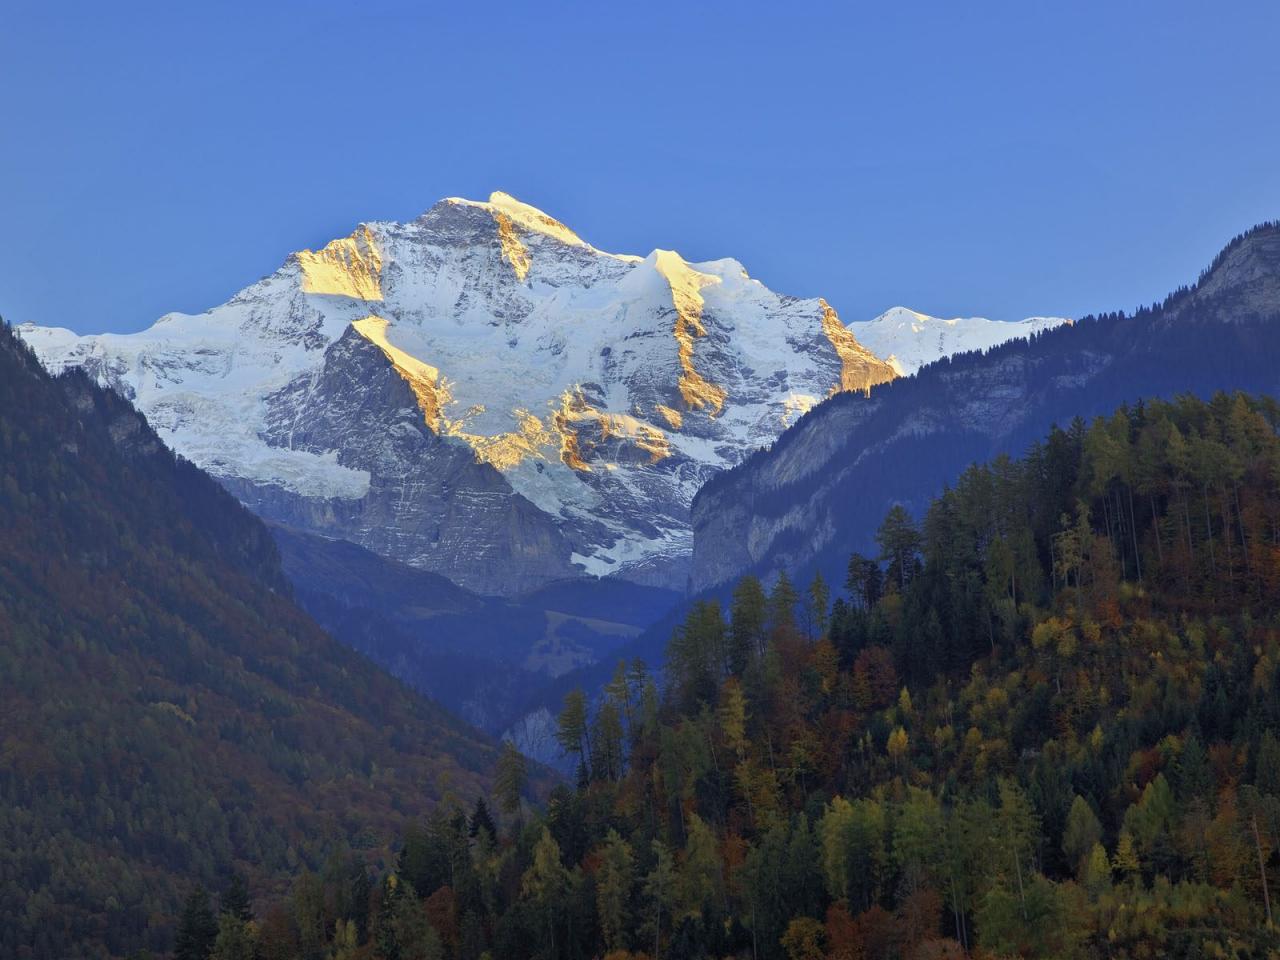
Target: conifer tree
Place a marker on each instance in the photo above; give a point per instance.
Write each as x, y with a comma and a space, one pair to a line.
1125, 860
571, 726
197, 928
482, 822
817, 606
899, 542
234, 941
748, 615
510, 777
782, 604
235, 898
1082, 833
659, 895
614, 880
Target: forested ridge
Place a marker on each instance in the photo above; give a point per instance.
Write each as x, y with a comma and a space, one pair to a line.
1040, 722
820, 490
167, 714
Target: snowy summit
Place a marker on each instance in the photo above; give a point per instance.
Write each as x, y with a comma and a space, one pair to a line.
482, 393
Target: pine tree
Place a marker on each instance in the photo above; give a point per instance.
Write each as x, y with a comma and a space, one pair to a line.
361, 891
618, 690
732, 716
607, 758
614, 881
748, 616
234, 940
1125, 860
392, 892
782, 604
481, 822
546, 882
1194, 776
235, 899
197, 928
571, 727
896, 746
510, 777
1097, 871
415, 938
864, 582
817, 607
1016, 829
659, 894
699, 874
899, 542
1082, 833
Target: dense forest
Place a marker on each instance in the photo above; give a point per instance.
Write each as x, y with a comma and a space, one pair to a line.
1041, 722
166, 712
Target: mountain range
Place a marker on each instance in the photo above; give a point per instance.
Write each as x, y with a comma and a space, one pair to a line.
820, 491
481, 393
448, 427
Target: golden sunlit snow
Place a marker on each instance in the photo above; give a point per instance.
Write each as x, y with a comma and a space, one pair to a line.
350, 267
860, 369
686, 285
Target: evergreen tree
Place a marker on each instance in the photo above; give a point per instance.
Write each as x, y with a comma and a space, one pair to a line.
546, 883
817, 607
614, 880
235, 898
782, 604
510, 776
197, 928
481, 822
607, 757
390, 894
864, 582
1083, 832
415, 938
571, 726
659, 896
899, 542
749, 616
234, 940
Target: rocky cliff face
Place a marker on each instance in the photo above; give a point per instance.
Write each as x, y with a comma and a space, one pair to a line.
823, 488
481, 393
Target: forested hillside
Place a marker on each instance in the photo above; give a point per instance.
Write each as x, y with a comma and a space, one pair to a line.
1040, 723
167, 715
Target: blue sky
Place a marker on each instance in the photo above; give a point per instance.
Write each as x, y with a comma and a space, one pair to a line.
997, 159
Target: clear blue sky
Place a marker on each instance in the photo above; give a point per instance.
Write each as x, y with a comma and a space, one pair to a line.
959, 158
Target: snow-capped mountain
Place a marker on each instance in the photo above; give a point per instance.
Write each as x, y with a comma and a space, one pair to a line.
908, 340
480, 392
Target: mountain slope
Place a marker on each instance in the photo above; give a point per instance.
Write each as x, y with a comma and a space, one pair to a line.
481, 393
165, 710
824, 486
484, 658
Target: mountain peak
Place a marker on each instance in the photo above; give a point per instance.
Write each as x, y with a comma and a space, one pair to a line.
1246, 272
587, 393
507, 210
